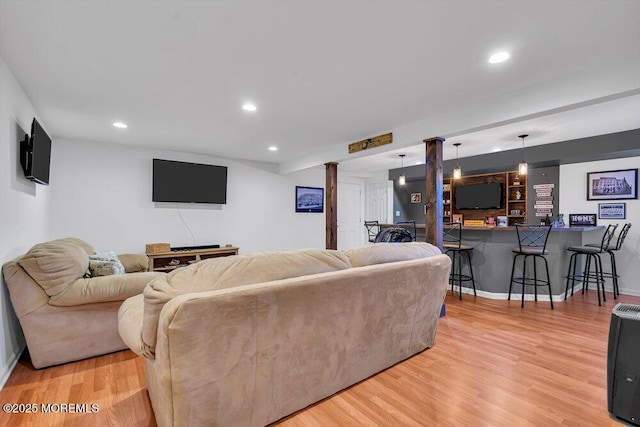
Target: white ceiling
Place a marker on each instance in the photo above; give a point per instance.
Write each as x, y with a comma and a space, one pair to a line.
324, 74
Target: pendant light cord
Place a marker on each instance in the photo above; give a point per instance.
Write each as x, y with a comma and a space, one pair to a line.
523, 137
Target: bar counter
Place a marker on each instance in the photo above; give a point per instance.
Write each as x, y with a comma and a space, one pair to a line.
492, 257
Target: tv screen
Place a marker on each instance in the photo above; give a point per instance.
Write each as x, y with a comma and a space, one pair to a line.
479, 196
184, 182
35, 154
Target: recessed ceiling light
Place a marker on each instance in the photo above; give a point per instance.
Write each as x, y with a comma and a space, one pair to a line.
496, 149
273, 148
499, 57
249, 107
120, 125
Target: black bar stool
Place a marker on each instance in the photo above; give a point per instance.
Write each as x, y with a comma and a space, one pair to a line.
452, 243
373, 228
409, 224
593, 256
613, 275
532, 242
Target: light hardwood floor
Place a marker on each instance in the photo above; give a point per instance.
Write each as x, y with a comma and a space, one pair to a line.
493, 364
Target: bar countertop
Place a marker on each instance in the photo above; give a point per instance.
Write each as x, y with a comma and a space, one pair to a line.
509, 228
493, 252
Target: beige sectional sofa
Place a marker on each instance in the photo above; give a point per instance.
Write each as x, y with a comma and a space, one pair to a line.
64, 315
248, 339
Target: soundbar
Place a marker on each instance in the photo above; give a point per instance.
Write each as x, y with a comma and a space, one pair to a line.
193, 248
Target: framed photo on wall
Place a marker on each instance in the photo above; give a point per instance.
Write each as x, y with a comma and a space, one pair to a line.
416, 197
309, 199
612, 210
612, 185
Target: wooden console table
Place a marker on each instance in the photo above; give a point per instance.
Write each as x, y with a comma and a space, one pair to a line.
162, 261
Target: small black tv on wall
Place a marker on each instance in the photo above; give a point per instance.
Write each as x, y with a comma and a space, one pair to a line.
35, 154
183, 182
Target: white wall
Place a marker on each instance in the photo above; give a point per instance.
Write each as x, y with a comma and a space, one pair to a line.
23, 207
101, 193
573, 199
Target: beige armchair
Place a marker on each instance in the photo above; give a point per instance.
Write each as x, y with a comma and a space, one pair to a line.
65, 313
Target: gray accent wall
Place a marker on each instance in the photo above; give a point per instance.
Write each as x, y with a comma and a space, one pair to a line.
548, 175
543, 160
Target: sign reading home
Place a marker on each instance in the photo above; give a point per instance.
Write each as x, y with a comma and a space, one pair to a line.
578, 220
376, 141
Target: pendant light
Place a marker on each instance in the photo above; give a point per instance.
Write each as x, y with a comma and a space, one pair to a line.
402, 180
522, 167
457, 172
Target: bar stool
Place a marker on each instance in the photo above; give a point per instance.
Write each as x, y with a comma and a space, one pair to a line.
613, 275
532, 242
593, 256
410, 224
452, 243
373, 228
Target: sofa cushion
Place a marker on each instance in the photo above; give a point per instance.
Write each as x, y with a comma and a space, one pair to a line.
222, 273
79, 242
54, 265
381, 253
134, 262
103, 289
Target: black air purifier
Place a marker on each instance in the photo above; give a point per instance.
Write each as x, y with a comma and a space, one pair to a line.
623, 363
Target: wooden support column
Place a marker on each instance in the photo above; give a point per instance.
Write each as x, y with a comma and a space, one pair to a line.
433, 191
331, 213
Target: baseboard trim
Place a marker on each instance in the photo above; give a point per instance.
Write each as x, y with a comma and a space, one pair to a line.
541, 297
10, 366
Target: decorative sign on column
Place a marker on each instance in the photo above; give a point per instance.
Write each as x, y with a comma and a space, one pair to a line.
544, 199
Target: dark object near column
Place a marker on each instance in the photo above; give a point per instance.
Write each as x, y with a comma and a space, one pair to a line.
623, 363
394, 235
410, 225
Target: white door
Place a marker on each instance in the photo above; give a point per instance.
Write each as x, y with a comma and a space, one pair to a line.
377, 202
350, 223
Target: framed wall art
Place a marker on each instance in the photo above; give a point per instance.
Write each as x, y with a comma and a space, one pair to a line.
612, 185
612, 210
309, 199
416, 197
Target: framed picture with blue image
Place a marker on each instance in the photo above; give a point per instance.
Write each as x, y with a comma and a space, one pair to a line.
309, 199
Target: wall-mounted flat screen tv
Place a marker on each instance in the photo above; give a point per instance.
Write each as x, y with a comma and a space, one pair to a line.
184, 182
478, 196
35, 154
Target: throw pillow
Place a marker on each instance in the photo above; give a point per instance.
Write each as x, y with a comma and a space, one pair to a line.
101, 268
109, 257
